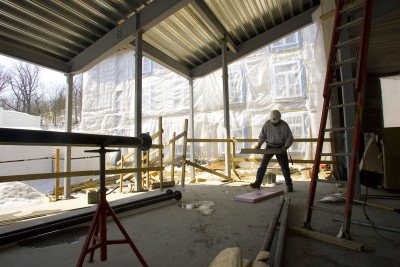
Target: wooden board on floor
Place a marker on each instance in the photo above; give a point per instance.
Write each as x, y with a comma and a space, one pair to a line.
258, 195
327, 238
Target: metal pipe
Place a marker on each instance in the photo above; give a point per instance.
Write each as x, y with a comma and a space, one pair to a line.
266, 246
47, 227
281, 235
388, 197
372, 226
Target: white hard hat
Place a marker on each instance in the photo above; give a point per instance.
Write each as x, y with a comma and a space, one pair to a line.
275, 116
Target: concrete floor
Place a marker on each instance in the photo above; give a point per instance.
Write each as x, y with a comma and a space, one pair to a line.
168, 235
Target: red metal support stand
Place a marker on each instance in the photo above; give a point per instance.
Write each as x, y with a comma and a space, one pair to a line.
97, 237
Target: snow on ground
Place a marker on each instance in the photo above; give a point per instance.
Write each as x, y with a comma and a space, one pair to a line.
17, 194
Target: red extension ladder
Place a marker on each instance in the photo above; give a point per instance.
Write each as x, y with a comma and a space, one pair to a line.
345, 76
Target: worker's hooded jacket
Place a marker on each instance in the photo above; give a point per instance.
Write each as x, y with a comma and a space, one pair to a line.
276, 135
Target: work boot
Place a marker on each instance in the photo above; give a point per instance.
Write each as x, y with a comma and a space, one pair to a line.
255, 186
289, 188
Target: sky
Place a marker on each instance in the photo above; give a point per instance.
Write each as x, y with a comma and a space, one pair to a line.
48, 77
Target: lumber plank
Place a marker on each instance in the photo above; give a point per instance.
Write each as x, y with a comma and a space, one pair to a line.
261, 151
206, 169
165, 184
345, 243
37, 176
274, 160
174, 139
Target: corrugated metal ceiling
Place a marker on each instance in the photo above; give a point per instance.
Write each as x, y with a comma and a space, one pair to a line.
384, 52
188, 39
185, 37
61, 30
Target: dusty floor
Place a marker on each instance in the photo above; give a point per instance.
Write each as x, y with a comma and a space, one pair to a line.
168, 235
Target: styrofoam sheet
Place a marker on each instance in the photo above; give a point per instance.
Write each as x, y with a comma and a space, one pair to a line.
258, 195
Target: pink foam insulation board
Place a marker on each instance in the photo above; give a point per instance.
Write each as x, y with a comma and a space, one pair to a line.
258, 195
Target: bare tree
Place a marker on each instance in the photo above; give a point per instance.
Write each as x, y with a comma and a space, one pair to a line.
24, 95
77, 98
56, 103
4, 79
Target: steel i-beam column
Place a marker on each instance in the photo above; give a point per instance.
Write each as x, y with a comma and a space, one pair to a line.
138, 105
226, 108
68, 129
191, 120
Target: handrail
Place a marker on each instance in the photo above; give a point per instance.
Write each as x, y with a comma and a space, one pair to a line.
248, 140
122, 170
51, 175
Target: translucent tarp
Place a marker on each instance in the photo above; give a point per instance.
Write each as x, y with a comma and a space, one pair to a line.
287, 75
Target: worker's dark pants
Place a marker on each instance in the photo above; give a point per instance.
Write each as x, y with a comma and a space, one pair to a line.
283, 162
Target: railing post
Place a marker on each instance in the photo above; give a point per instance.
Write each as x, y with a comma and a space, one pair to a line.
233, 156
57, 194
145, 163
121, 176
173, 157
184, 152
160, 152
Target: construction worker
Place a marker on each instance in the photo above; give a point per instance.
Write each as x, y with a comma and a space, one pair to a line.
277, 134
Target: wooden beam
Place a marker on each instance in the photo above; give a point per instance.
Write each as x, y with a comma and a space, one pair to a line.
261, 151
37, 176
199, 140
274, 160
206, 169
344, 243
174, 139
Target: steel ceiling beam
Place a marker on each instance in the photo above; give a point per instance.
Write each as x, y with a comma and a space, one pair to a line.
32, 56
163, 59
212, 21
124, 33
269, 36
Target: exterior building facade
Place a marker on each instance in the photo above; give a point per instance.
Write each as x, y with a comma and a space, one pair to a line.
286, 75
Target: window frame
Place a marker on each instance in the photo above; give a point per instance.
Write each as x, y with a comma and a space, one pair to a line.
300, 93
286, 45
147, 66
235, 73
105, 95
303, 124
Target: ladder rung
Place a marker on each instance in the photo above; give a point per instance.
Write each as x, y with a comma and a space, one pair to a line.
346, 61
348, 42
336, 154
342, 105
340, 83
350, 24
339, 129
327, 210
351, 8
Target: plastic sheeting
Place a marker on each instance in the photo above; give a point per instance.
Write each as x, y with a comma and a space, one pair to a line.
287, 75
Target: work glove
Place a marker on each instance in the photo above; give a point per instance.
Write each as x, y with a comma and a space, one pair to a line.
256, 146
